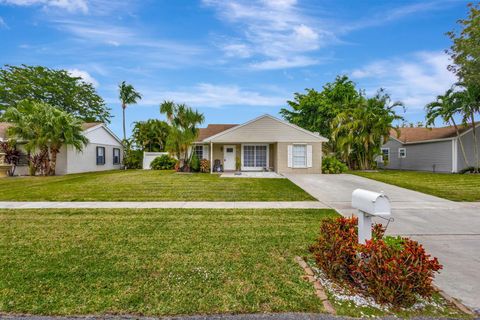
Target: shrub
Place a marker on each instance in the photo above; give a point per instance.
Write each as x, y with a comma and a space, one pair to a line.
332, 165
391, 270
468, 170
164, 162
194, 163
204, 166
133, 158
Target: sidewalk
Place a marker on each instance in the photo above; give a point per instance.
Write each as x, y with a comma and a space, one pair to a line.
165, 204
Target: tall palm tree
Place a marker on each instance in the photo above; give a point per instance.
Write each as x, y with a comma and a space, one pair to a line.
128, 95
446, 106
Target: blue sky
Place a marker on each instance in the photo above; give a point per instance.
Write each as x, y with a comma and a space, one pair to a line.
234, 59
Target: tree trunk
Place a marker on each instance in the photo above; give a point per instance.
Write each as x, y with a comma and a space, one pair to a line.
124, 134
53, 162
46, 161
475, 144
461, 143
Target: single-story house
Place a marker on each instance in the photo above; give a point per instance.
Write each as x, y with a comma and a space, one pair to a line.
429, 149
104, 151
262, 144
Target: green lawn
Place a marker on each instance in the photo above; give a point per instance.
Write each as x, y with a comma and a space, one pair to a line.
155, 262
456, 187
140, 185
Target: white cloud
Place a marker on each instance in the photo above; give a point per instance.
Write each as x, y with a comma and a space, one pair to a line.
69, 5
3, 24
275, 32
416, 79
210, 95
84, 75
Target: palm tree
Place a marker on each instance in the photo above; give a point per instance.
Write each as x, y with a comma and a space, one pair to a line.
446, 107
127, 95
151, 135
184, 121
45, 129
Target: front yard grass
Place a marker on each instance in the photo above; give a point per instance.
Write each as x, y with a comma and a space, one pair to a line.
151, 185
456, 187
156, 261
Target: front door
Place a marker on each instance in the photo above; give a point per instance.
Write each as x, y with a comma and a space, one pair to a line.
229, 155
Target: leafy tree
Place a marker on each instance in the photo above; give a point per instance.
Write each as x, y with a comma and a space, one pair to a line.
151, 135
127, 95
54, 87
45, 128
446, 106
133, 157
465, 49
361, 128
315, 110
184, 121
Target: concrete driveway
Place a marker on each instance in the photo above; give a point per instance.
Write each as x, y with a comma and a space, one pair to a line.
448, 230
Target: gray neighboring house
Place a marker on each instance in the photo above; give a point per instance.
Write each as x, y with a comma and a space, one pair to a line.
429, 149
104, 151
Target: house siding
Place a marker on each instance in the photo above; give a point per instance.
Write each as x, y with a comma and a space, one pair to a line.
430, 156
266, 130
468, 143
282, 158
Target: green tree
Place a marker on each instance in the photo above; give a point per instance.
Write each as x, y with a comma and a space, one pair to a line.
151, 135
359, 131
127, 95
465, 48
45, 128
315, 110
54, 87
446, 106
184, 123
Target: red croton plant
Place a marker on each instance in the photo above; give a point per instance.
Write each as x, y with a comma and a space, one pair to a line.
391, 270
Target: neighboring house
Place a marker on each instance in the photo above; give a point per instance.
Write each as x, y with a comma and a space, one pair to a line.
429, 149
262, 144
104, 151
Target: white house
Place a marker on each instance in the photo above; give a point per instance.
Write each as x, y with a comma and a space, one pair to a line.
104, 151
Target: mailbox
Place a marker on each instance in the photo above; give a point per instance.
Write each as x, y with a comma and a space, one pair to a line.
369, 204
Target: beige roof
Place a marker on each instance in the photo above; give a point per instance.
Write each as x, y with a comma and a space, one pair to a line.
213, 129
410, 135
5, 125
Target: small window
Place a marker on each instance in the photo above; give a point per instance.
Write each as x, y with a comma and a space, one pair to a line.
229, 150
116, 156
299, 156
402, 153
100, 155
385, 154
199, 152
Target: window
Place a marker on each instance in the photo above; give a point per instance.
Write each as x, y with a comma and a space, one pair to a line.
199, 152
385, 154
100, 155
299, 156
402, 153
255, 156
116, 156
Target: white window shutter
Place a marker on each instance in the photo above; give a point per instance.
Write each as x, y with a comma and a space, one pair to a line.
309, 156
290, 156
206, 152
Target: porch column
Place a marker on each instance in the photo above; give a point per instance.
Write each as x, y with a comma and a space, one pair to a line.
211, 157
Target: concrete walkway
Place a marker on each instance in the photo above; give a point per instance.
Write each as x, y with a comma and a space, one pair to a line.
165, 204
448, 230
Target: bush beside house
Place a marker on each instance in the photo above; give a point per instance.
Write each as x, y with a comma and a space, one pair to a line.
164, 162
332, 165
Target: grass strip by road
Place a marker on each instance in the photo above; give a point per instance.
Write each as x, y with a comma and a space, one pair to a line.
148, 185
155, 261
456, 187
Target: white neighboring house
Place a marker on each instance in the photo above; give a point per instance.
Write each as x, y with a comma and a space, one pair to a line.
104, 151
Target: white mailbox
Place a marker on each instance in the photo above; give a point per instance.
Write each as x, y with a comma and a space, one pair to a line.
369, 204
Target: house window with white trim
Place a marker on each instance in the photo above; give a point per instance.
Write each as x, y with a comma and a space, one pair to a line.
100, 155
299, 156
255, 156
199, 152
402, 152
116, 156
385, 154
